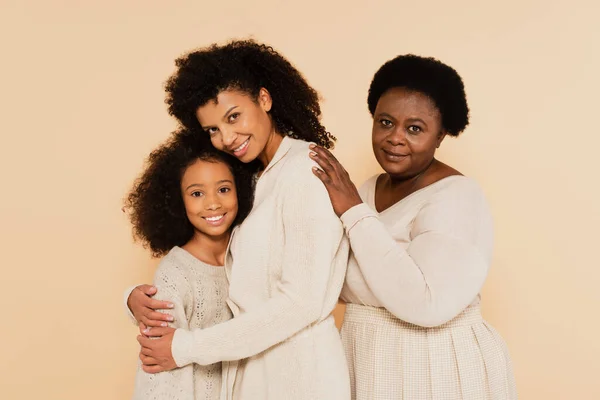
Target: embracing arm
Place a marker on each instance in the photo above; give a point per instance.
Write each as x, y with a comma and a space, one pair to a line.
313, 235
142, 306
444, 266
177, 383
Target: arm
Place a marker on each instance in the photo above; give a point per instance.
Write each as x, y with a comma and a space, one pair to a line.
127, 295
177, 383
441, 271
312, 236
143, 307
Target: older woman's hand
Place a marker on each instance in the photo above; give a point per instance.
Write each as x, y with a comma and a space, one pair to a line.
156, 352
342, 191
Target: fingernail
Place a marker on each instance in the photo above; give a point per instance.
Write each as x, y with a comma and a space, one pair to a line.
313, 154
312, 146
163, 324
147, 330
170, 305
170, 318
315, 169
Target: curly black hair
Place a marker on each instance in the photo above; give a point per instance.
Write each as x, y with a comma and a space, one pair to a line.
155, 204
247, 66
440, 82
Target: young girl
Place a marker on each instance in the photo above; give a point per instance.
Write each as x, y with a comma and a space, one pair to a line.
183, 207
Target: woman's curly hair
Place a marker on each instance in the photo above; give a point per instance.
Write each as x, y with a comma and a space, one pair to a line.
155, 203
247, 66
426, 75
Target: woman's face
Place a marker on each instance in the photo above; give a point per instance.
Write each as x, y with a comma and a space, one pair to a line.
407, 129
210, 197
237, 123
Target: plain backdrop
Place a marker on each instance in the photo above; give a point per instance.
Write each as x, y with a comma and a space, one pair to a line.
82, 105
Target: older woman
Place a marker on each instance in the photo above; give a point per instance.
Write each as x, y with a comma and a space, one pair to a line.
421, 239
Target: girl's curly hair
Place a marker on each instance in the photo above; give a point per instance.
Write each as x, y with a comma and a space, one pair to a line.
247, 66
155, 204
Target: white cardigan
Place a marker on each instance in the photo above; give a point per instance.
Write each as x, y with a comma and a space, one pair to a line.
286, 269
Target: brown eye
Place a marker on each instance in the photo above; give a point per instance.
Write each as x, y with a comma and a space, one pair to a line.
224, 190
233, 117
196, 194
385, 122
212, 131
414, 129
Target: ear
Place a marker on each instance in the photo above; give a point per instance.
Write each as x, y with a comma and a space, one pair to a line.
265, 100
440, 138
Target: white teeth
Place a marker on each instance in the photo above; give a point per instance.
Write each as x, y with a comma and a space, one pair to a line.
241, 146
215, 219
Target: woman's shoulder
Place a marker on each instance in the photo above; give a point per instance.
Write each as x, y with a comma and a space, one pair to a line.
454, 198
456, 186
298, 162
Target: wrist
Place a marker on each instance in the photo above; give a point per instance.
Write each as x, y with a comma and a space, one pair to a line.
348, 206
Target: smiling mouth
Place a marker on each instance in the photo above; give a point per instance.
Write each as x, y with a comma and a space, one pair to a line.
241, 148
393, 154
215, 220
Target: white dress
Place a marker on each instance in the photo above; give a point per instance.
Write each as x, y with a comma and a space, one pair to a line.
413, 328
199, 294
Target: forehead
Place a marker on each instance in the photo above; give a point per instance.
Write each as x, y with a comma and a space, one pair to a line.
206, 172
404, 102
226, 99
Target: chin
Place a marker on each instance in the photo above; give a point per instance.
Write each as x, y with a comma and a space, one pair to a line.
218, 231
247, 159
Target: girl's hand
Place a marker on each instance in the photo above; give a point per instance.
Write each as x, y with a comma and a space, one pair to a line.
342, 192
144, 307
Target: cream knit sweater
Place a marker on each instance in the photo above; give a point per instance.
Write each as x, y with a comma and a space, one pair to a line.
199, 293
424, 258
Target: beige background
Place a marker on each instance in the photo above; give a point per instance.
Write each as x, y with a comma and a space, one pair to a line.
82, 105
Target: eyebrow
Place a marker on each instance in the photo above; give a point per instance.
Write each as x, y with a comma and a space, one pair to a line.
202, 185
384, 114
230, 110
417, 120
224, 116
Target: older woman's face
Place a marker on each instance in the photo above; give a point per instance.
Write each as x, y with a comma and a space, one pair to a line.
407, 129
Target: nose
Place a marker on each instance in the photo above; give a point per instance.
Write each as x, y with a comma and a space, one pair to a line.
211, 202
397, 137
229, 136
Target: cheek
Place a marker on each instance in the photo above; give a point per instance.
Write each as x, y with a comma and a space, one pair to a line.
192, 205
377, 136
260, 124
232, 201
217, 142
423, 152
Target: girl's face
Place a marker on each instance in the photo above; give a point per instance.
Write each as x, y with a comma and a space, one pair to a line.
210, 197
238, 124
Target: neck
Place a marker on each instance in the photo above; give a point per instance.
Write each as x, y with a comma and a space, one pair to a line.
410, 182
271, 147
210, 249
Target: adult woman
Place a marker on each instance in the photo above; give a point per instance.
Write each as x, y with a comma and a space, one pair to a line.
421, 240
288, 258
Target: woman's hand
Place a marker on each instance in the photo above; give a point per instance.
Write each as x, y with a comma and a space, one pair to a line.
144, 307
156, 353
342, 192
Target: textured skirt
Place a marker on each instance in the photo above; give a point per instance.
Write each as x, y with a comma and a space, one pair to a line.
389, 359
